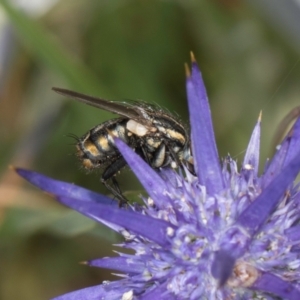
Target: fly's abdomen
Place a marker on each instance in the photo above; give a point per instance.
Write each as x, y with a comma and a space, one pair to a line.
97, 146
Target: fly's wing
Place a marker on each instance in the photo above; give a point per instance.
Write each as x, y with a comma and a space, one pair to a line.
127, 110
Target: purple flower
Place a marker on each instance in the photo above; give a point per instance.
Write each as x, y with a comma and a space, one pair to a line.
222, 234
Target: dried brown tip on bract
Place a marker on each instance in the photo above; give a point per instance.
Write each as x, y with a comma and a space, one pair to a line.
187, 70
193, 59
259, 116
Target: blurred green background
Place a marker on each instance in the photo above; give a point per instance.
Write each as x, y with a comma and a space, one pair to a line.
121, 49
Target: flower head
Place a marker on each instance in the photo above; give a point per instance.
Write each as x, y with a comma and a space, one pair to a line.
226, 233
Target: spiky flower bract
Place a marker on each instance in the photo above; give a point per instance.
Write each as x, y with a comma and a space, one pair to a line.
226, 233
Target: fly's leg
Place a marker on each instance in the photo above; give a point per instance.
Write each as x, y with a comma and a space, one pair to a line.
141, 151
159, 157
109, 173
174, 156
180, 163
164, 156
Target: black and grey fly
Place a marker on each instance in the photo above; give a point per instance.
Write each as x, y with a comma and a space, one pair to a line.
158, 137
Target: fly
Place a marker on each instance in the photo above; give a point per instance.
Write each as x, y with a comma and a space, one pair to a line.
157, 136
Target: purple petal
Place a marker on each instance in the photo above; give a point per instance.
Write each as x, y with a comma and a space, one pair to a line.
272, 284
286, 152
170, 177
293, 233
159, 292
97, 292
205, 153
261, 208
148, 227
252, 154
222, 266
295, 142
275, 166
121, 264
60, 188
152, 182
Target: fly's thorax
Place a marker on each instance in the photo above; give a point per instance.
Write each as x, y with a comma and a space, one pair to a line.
175, 135
171, 129
165, 145
152, 142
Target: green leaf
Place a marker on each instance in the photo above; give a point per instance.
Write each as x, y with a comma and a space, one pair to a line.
51, 53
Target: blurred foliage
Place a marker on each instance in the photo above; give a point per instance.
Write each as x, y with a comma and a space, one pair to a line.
117, 50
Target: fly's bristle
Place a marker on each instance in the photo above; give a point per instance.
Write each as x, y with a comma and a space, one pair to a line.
73, 136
